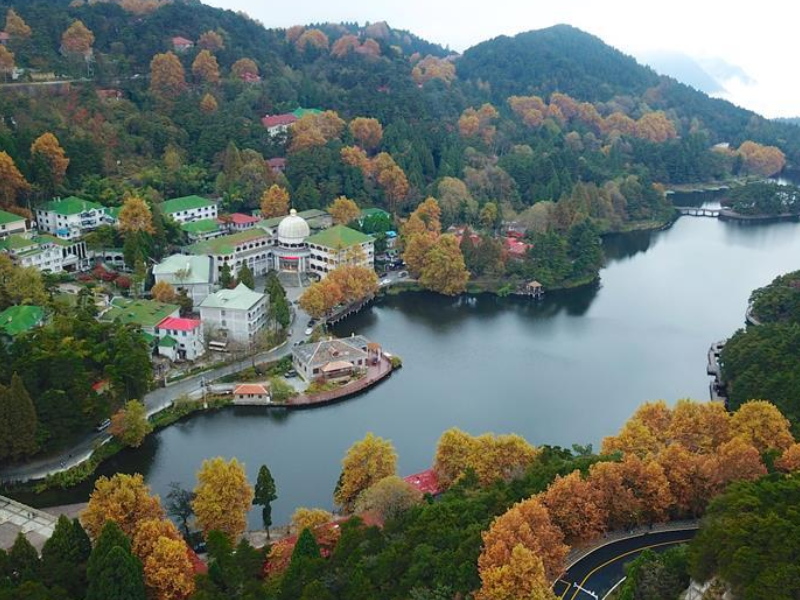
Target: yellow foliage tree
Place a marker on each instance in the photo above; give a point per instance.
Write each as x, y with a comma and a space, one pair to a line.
209, 104
367, 131
320, 297
312, 39
521, 578
762, 160
130, 425
47, 149
6, 61
343, 210
310, 518
388, 498
244, 66
762, 425
135, 216
430, 68
16, 26
355, 282
167, 76
168, 572
163, 292
366, 463
575, 508
274, 202
443, 269
147, 534
124, 499
655, 127
77, 39
205, 67
222, 497
699, 426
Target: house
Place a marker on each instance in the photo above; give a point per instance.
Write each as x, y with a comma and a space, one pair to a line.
278, 165
46, 253
239, 222
277, 124
333, 358
515, 248
189, 208
425, 482
250, 247
110, 94
11, 223
204, 229
186, 272
180, 339
4, 38
236, 315
181, 44
16, 320
248, 77
71, 217
251, 393
145, 313
340, 245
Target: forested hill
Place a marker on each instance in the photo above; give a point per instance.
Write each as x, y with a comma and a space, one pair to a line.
568, 60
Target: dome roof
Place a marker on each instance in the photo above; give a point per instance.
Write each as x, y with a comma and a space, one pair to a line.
293, 229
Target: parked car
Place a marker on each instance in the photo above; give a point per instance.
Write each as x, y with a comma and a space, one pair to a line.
290, 373
386, 281
402, 274
309, 330
104, 425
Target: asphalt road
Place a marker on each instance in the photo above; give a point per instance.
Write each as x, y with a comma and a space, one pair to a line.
599, 571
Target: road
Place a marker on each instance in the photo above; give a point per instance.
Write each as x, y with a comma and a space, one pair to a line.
599, 571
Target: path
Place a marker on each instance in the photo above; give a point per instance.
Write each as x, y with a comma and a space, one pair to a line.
15, 518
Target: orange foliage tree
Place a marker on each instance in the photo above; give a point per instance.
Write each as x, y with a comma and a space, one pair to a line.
12, 182
479, 123
574, 507
355, 282
343, 210
124, 499
205, 67
211, 40
244, 66
321, 297
77, 39
344, 45
50, 155
367, 131
762, 160
167, 76
312, 39
315, 130
16, 26
531, 109
790, 459
274, 202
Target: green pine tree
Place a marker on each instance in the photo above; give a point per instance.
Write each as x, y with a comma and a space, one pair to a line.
304, 567
119, 576
22, 417
110, 536
226, 279
64, 556
265, 494
246, 277
6, 428
23, 561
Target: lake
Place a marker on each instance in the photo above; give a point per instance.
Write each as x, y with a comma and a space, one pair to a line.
569, 369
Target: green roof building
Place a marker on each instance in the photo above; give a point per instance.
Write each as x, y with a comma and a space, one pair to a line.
20, 319
69, 218
229, 244
202, 229
339, 237
189, 208
145, 313
338, 246
11, 224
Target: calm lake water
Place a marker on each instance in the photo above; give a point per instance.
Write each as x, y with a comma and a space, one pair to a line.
568, 369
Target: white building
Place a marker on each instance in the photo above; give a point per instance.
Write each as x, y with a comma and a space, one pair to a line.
186, 272
46, 253
290, 253
189, 208
180, 339
235, 315
11, 224
334, 358
340, 245
251, 247
70, 218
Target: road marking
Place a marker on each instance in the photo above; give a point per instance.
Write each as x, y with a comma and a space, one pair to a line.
616, 558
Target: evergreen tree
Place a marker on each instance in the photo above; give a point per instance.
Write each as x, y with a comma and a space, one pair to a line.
22, 418
6, 428
246, 277
118, 575
265, 494
23, 561
110, 536
226, 279
64, 556
305, 565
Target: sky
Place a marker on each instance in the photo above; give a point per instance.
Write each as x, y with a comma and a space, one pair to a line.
759, 38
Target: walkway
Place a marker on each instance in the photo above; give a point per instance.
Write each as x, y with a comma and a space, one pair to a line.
15, 518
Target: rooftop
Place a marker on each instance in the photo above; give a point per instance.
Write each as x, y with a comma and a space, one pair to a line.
226, 244
239, 298
175, 205
187, 268
334, 350
309, 215
339, 237
179, 324
426, 482
19, 319
147, 313
368, 212
7, 217
201, 226
250, 388
71, 205
181, 41
242, 219
167, 342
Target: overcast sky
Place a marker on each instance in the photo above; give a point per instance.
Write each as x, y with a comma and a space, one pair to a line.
760, 38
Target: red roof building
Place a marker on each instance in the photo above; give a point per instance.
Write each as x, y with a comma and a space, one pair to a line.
426, 482
275, 123
4, 38
250, 77
238, 221
515, 248
179, 324
181, 44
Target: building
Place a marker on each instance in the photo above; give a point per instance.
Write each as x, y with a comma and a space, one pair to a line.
181, 44
277, 124
251, 393
290, 252
16, 320
180, 339
186, 272
204, 229
234, 315
334, 358
145, 313
11, 223
189, 208
251, 247
4, 38
71, 217
239, 222
46, 253
340, 245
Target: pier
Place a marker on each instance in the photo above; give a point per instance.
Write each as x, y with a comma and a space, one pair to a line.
348, 310
697, 211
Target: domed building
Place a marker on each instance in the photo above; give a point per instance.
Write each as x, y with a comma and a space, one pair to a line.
291, 253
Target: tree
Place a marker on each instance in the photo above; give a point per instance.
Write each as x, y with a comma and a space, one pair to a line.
222, 497
699, 426
16, 26
226, 279
205, 67
762, 424
310, 518
111, 536
163, 292
354, 282
117, 575
455, 200
130, 425
574, 508
211, 40
6, 61
790, 459
243, 67
135, 216
443, 269
147, 534
179, 505
343, 210
367, 462
167, 77
312, 39
12, 182
23, 561
489, 215
49, 156
246, 277
320, 297
64, 556
388, 499
265, 494
523, 576
77, 39
368, 132
209, 104
690, 477
737, 460
274, 202
168, 572
655, 127
762, 160
18, 418
305, 564
123, 499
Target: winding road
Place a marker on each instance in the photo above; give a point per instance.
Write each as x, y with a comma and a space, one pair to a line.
595, 574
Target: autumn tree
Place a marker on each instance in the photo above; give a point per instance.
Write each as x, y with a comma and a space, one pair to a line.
209, 104
16, 26
312, 39
522, 576
50, 161
699, 426
762, 160
354, 282
294, 32
431, 67
366, 463
211, 41
130, 425
123, 499
416, 248
388, 498
574, 508
243, 67
168, 572
222, 497
148, 532
479, 123
6, 61
167, 77
789, 461
344, 45
343, 210
527, 523
761, 424
135, 216
531, 109
655, 127
313, 130
738, 460
205, 67
310, 518
320, 297
691, 479
274, 202
443, 269
12, 182
77, 39
368, 132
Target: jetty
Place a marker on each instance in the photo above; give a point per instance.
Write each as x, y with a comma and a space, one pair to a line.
346, 311
699, 211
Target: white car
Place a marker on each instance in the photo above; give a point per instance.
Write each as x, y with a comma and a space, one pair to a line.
386, 281
309, 330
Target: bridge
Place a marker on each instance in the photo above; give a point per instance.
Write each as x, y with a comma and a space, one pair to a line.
696, 211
